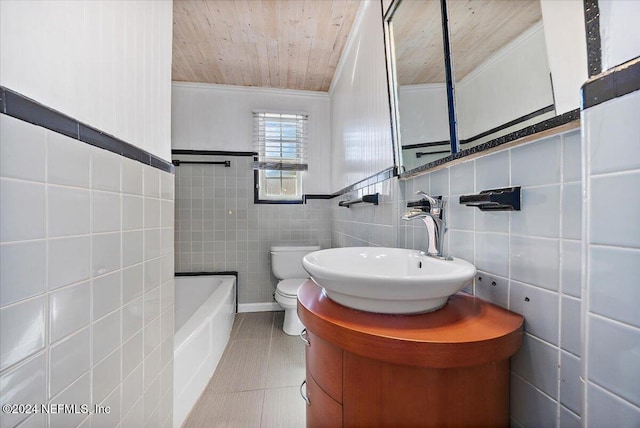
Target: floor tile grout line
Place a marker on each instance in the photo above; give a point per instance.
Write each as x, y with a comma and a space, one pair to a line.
253, 389
272, 334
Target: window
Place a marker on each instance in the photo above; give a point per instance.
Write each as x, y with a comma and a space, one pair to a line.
280, 143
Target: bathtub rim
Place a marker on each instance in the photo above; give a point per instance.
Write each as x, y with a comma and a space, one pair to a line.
218, 273
183, 335
211, 313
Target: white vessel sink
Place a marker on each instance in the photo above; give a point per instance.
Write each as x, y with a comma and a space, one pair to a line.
387, 280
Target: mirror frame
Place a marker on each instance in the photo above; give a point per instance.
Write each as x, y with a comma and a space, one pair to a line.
592, 27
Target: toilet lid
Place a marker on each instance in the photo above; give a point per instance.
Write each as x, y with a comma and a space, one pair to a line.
290, 286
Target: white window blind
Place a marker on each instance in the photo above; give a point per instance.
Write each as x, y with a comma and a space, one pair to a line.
280, 140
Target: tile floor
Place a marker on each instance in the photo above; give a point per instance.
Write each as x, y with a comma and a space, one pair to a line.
257, 381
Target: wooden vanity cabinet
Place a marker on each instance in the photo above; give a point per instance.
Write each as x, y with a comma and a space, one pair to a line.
324, 363
322, 411
448, 368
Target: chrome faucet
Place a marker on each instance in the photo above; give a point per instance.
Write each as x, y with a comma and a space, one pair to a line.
434, 220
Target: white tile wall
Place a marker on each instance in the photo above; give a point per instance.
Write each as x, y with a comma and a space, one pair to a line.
570, 328
609, 223
570, 385
491, 288
68, 161
69, 260
74, 255
68, 211
613, 361
492, 253
26, 383
105, 211
27, 278
531, 407
22, 207
616, 299
533, 257
539, 308
76, 393
568, 419
106, 294
536, 164
536, 219
132, 210
69, 359
571, 210
571, 268
612, 325
492, 172
23, 152
69, 310
367, 225
605, 408
531, 363
535, 261
23, 330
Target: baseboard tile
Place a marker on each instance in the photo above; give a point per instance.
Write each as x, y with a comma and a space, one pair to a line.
259, 307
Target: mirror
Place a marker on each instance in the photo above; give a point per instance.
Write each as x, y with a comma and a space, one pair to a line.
421, 113
499, 66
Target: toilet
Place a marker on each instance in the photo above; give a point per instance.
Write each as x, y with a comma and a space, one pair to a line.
286, 265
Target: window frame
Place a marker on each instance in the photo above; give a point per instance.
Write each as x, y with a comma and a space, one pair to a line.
259, 172
258, 199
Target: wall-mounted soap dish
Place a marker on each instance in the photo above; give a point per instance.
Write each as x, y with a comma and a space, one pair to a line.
505, 199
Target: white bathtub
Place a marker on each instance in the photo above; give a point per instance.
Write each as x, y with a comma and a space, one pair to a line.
204, 314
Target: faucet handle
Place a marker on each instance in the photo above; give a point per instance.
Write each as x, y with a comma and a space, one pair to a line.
435, 203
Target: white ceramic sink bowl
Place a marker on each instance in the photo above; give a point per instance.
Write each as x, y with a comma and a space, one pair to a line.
387, 280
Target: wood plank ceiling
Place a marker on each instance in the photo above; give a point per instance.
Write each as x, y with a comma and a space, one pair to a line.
477, 28
287, 44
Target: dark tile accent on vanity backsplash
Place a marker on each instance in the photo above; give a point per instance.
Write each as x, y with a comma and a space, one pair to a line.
614, 83
592, 26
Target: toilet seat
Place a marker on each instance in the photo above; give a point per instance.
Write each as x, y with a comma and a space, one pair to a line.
288, 288
286, 265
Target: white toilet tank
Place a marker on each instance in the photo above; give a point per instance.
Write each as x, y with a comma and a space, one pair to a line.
286, 261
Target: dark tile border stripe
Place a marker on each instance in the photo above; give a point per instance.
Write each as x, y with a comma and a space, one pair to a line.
23, 108
592, 27
211, 153
221, 273
524, 118
307, 197
256, 200
554, 122
318, 196
614, 83
379, 177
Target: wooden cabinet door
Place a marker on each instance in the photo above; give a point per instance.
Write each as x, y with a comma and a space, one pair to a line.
322, 410
378, 394
324, 362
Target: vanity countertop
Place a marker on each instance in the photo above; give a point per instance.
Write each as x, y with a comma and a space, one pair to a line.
467, 331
